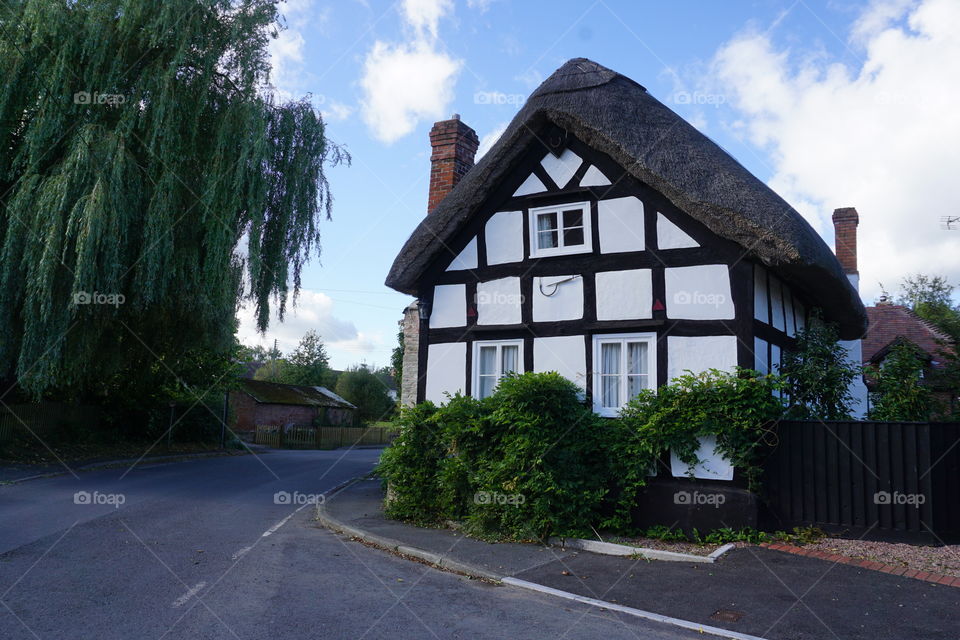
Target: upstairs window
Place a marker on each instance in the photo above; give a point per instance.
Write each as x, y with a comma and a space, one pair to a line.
560, 230
624, 365
491, 361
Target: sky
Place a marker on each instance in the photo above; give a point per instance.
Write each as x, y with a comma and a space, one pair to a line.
833, 103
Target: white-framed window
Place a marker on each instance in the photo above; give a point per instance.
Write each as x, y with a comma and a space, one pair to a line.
623, 365
493, 359
560, 230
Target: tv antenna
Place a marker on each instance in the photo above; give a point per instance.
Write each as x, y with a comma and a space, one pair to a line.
950, 223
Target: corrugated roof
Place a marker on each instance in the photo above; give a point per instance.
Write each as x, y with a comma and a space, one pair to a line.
275, 393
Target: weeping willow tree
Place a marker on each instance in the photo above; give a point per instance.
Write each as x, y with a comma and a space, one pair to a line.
149, 183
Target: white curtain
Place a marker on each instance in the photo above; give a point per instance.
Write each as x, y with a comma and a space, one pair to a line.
610, 374
510, 356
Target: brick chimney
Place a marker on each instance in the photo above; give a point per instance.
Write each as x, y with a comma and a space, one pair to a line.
454, 147
845, 223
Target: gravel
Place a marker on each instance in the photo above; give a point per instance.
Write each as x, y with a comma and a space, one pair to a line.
944, 559
677, 547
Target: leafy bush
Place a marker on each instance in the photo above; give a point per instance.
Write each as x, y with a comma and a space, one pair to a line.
737, 408
410, 466
900, 391
817, 374
532, 460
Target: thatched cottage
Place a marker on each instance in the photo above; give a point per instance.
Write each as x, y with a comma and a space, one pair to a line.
606, 238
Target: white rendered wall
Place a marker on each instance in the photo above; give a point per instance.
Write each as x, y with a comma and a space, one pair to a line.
564, 354
701, 292
620, 221
700, 353
531, 185
670, 236
854, 349
449, 306
761, 362
761, 308
504, 237
565, 301
498, 301
594, 178
712, 466
466, 259
624, 295
446, 370
561, 169
776, 304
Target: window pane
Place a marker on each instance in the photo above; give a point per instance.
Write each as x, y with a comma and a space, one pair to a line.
488, 361
635, 384
487, 385
546, 221
610, 391
509, 358
573, 218
610, 358
637, 357
547, 240
572, 237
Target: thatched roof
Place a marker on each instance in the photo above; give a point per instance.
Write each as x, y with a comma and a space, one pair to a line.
275, 393
616, 116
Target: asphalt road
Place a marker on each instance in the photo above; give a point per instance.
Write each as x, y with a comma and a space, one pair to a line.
208, 549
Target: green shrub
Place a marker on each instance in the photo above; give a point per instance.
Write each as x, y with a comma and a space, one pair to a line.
533, 461
539, 467
410, 465
900, 392
737, 408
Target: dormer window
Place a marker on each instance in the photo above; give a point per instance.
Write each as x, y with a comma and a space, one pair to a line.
560, 230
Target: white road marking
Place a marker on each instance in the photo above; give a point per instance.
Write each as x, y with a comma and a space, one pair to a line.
185, 598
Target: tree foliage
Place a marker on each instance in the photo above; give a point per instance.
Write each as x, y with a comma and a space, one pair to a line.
817, 374
900, 392
145, 165
364, 388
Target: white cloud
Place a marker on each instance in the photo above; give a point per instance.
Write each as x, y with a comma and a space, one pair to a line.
424, 15
314, 310
882, 136
489, 139
407, 82
334, 111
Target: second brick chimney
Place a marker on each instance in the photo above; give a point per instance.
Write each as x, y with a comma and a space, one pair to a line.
454, 147
845, 223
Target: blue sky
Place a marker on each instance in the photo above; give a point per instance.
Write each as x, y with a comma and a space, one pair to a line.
833, 103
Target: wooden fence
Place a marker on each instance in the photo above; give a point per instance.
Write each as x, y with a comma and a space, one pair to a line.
874, 479
45, 419
322, 437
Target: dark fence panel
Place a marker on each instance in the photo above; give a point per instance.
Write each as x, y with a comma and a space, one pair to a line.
876, 479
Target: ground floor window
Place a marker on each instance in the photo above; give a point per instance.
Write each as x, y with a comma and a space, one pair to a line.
493, 359
623, 365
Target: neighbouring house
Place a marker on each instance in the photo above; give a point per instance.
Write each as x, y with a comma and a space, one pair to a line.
890, 324
258, 402
605, 238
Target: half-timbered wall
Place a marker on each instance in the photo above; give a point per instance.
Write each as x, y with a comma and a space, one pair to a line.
635, 267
